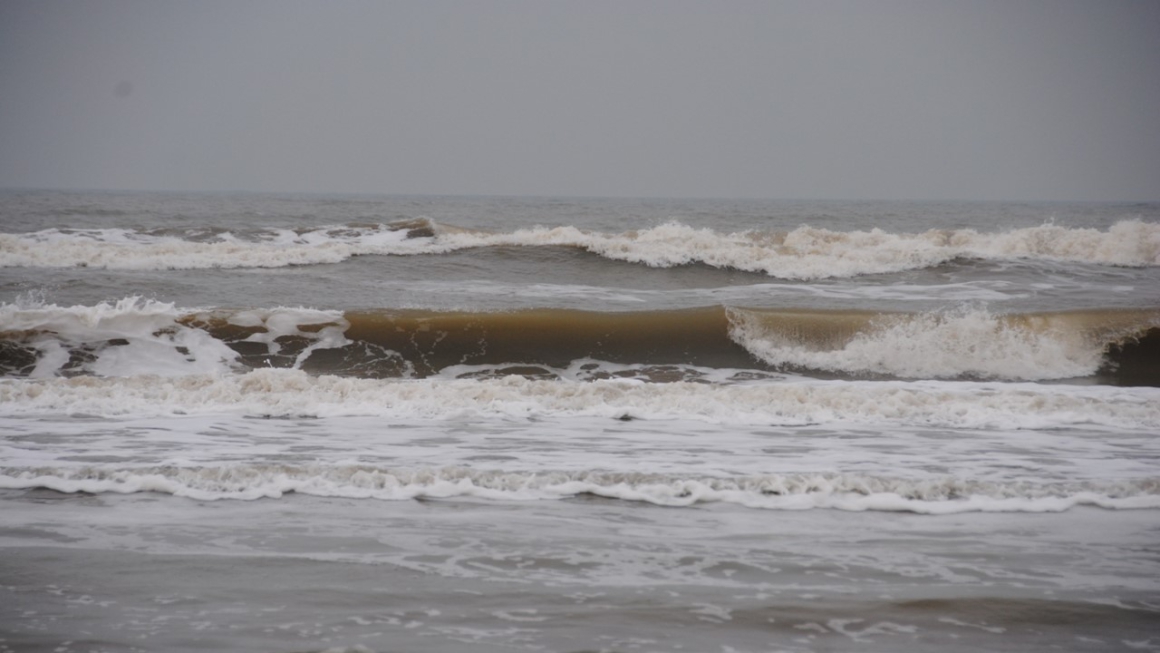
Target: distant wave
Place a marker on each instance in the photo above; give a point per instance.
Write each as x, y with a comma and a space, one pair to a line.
136, 337
854, 492
801, 254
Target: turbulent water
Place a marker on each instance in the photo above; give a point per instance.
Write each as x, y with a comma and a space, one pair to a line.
441, 423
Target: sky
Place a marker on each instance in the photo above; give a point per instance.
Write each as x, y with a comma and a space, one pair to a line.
830, 99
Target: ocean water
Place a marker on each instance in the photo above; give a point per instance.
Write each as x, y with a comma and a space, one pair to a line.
256, 422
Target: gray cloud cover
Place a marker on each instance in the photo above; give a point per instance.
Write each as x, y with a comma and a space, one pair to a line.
835, 99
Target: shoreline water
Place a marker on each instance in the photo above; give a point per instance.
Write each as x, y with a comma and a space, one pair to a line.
302, 573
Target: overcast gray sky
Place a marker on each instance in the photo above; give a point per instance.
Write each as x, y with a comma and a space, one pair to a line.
1044, 99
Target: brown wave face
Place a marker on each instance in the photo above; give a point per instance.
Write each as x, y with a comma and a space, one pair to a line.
552, 338
662, 345
1112, 347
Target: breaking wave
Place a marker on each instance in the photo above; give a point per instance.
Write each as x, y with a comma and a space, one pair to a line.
961, 343
135, 337
803, 253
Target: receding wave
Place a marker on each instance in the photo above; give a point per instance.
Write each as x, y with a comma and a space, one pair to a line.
803, 253
712, 344
294, 393
855, 492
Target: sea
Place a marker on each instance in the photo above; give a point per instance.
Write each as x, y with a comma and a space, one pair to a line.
382, 423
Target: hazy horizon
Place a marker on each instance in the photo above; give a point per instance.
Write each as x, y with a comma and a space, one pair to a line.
543, 196
1015, 101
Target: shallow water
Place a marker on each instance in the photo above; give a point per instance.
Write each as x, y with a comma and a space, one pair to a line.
114, 572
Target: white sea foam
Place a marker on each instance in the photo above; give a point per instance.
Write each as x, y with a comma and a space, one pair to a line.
283, 392
277, 323
804, 253
852, 492
136, 336
148, 339
944, 344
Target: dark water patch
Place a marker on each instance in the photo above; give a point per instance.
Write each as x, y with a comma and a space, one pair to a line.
16, 358
1134, 360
